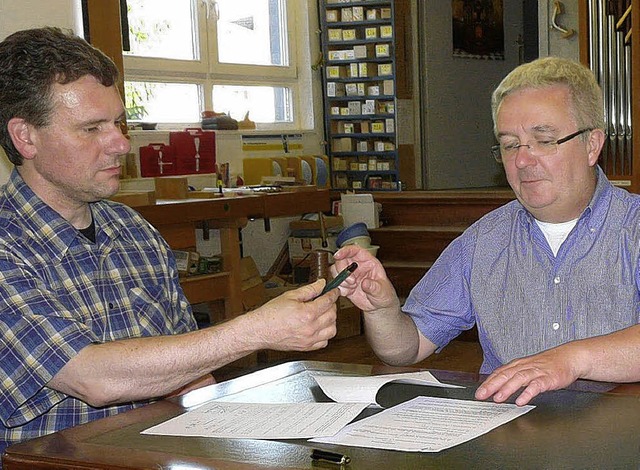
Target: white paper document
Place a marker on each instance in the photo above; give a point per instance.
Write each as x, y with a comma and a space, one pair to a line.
364, 389
260, 420
426, 424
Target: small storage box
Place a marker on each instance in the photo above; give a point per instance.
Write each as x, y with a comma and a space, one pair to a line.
157, 160
195, 151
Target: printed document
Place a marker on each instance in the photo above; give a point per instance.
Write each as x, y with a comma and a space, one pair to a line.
260, 420
426, 424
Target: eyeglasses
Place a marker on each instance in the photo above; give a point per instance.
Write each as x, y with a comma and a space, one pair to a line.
537, 148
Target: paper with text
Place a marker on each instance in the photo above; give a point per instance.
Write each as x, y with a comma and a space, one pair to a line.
260, 420
426, 424
363, 389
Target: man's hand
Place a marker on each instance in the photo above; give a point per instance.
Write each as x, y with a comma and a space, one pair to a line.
368, 287
294, 321
549, 370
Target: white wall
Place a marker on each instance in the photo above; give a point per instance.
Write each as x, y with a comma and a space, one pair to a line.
24, 14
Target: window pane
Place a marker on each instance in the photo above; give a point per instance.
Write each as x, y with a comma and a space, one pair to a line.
162, 28
263, 103
252, 32
162, 102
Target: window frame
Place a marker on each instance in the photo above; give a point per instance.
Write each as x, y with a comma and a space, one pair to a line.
207, 73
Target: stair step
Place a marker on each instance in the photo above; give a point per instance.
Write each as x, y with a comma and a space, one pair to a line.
440, 207
405, 274
413, 243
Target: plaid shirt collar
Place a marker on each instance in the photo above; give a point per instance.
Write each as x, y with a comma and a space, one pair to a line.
48, 225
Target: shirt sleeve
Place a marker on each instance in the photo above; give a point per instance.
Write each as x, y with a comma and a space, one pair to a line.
38, 337
440, 303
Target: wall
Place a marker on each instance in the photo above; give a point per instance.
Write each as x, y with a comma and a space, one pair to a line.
552, 42
456, 93
63, 13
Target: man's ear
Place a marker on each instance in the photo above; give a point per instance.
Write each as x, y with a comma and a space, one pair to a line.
20, 133
595, 144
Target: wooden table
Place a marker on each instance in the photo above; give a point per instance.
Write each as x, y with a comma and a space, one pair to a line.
177, 221
591, 425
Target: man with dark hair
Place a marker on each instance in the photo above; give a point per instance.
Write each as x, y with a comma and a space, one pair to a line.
93, 320
552, 279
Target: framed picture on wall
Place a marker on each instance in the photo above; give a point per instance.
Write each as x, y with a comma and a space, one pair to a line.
478, 29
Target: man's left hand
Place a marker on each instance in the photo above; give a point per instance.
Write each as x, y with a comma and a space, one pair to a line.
549, 370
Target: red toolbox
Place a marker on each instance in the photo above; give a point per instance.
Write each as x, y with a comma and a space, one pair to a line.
157, 160
195, 151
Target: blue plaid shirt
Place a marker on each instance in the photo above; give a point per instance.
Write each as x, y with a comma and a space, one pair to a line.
502, 275
60, 292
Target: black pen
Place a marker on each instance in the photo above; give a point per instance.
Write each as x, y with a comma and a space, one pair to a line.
336, 281
317, 454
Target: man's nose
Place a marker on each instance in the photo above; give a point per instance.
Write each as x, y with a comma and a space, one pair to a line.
523, 156
118, 142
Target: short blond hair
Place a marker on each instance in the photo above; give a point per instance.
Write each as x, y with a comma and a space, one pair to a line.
584, 91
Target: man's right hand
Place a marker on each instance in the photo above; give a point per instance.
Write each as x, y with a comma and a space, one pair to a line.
296, 320
368, 287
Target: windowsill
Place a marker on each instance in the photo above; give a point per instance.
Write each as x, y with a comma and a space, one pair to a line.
161, 131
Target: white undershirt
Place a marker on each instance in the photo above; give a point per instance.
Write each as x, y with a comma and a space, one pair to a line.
556, 234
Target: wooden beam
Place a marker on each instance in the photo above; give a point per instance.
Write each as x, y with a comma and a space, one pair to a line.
105, 32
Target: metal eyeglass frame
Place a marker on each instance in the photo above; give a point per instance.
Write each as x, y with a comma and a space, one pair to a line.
497, 154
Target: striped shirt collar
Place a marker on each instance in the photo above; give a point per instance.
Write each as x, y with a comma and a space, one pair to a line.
596, 210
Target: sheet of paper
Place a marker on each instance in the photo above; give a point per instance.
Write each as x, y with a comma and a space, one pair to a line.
350, 389
260, 420
426, 424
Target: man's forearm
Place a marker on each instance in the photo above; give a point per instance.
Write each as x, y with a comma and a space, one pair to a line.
141, 368
392, 335
612, 357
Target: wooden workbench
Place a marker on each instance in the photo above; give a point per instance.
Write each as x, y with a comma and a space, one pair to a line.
177, 221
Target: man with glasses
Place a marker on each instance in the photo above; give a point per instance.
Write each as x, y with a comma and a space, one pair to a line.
551, 279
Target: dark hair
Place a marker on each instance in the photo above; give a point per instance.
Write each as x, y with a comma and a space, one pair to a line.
31, 62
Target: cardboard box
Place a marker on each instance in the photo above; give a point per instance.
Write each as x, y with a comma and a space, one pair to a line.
253, 290
348, 34
332, 16
346, 14
359, 208
135, 198
386, 31
336, 71
385, 70
355, 108
172, 187
388, 87
343, 144
334, 34
383, 50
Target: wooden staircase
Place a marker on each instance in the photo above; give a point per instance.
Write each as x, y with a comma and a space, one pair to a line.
416, 226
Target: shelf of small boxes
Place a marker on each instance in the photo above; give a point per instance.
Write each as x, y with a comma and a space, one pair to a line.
358, 41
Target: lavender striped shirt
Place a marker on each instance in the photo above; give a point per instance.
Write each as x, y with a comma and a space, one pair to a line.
501, 275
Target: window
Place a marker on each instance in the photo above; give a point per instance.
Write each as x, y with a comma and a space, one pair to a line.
232, 56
